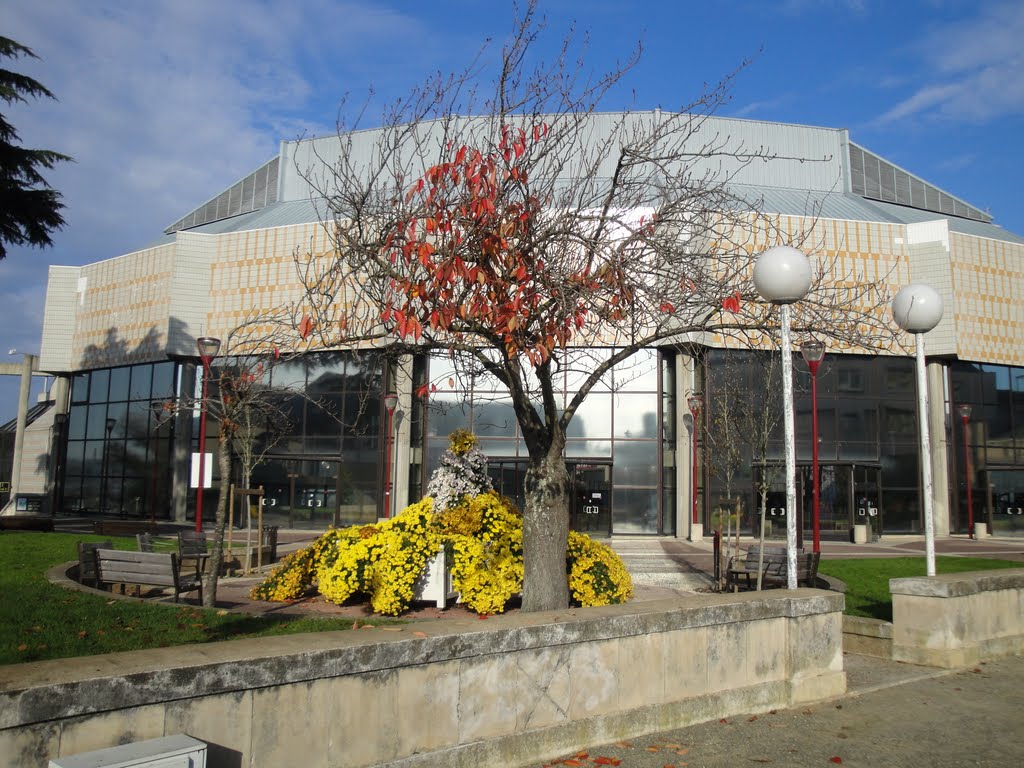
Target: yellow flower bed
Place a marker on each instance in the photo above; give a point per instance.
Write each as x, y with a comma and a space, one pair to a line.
484, 536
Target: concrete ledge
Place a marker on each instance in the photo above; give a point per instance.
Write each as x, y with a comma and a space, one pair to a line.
870, 637
956, 620
511, 689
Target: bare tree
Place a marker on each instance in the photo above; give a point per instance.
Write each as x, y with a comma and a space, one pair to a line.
512, 226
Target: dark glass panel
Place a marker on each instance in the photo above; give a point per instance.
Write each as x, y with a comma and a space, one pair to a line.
92, 459
163, 381
76, 450
77, 417
899, 378
80, 388
900, 510
99, 386
142, 382
119, 378
96, 426
290, 375
901, 466
119, 413
494, 418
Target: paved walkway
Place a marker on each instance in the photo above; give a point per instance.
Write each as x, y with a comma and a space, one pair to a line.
893, 715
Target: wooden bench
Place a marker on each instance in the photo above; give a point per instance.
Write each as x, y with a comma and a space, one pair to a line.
773, 569
122, 527
150, 569
87, 560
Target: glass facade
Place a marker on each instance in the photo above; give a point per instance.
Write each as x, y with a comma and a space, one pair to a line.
867, 442
614, 444
117, 459
994, 444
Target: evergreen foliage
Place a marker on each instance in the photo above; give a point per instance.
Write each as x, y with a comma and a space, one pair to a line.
30, 209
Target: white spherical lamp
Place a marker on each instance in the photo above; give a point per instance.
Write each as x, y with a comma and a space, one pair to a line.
782, 275
917, 308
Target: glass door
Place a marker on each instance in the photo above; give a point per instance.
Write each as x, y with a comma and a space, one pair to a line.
1005, 501
591, 511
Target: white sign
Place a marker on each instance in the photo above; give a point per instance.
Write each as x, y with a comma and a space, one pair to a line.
207, 471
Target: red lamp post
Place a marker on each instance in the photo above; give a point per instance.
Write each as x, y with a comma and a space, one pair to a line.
208, 348
390, 403
813, 352
965, 414
696, 404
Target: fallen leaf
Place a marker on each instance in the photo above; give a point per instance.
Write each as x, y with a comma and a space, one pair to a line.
808, 711
606, 761
222, 612
23, 647
752, 718
760, 760
420, 634
835, 759
482, 616
572, 762
723, 721
976, 669
83, 634
653, 749
626, 744
355, 625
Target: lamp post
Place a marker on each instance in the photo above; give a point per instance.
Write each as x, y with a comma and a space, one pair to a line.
208, 348
917, 309
813, 352
965, 415
106, 465
782, 275
390, 403
696, 404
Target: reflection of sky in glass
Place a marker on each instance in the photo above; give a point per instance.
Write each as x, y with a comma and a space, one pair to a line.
636, 415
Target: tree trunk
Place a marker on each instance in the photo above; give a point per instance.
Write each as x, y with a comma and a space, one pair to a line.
216, 559
546, 533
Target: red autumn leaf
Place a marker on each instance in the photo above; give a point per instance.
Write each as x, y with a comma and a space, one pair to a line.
607, 761
667, 307
305, 327
572, 762
835, 759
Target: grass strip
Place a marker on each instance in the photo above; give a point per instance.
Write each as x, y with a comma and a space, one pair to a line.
40, 620
867, 579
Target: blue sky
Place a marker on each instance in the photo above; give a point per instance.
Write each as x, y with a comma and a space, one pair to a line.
165, 103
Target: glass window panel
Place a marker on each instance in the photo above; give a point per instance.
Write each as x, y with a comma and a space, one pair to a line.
579, 364
447, 413
639, 373
636, 415
96, 426
441, 370
495, 418
849, 451
290, 375
142, 382
119, 378
323, 444
99, 386
856, 420
593, 418
76, 452
92, 458
636, 462
591, 449
163, 381
119, 413
634, 511
495, 447
327, 374
323, 416
900, 378
80, 388
900, 510
77, 417
998, 418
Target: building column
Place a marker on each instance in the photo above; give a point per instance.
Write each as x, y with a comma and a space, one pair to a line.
685, 386
938, 429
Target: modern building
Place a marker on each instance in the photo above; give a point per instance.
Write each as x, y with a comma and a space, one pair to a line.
120, 336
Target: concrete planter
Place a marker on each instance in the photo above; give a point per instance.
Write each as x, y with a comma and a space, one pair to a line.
860, 534
981, 530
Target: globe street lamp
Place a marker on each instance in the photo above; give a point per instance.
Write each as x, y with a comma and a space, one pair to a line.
782, 275
696, 404
917, 309
965, 415
813, 352
208, 348
390, 404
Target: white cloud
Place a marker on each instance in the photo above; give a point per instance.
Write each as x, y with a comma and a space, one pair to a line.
972, 67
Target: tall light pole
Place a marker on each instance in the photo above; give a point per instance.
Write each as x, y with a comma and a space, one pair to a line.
782, 275
390, 403
813, 352
917, 309
208, 348
965, 416
106, 465
696, 404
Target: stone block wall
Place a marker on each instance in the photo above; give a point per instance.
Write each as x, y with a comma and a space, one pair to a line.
508, 690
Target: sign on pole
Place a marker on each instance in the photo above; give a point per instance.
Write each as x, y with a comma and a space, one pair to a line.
207, 471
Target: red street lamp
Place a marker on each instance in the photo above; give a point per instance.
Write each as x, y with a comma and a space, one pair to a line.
390, 403
965, 414
208, 348
813, 352
696, 404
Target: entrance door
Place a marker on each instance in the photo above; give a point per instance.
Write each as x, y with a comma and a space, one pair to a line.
591, 511
1005, 501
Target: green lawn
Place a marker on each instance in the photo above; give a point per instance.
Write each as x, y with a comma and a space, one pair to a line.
867, 579
39, 620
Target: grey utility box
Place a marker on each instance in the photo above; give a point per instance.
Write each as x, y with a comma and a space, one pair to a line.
179, 751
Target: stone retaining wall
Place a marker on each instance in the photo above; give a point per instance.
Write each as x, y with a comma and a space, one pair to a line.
955, 620
505, 691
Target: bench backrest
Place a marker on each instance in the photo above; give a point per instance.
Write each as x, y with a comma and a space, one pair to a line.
152, 568
191, 543
87, 559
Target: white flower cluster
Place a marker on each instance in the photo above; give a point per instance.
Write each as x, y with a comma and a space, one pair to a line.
459, 476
